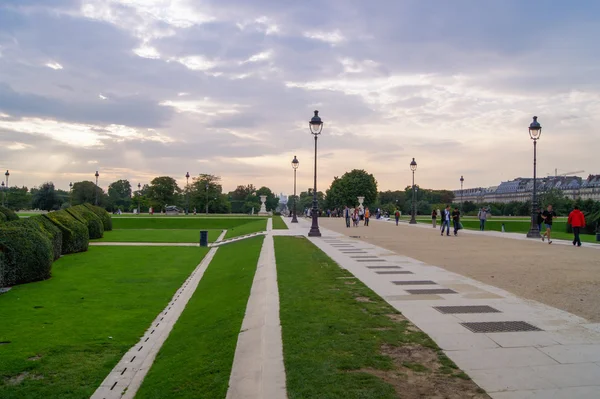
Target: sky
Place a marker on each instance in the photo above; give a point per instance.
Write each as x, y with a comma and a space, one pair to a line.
142, 88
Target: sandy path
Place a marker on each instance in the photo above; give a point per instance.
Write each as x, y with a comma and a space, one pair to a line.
562, 276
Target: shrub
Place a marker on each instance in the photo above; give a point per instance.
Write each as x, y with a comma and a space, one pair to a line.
47, 228
10, 215
75, 235
2, 217
25, 255
89, 218
102, 214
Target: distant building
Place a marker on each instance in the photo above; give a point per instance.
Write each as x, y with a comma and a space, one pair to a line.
521, 189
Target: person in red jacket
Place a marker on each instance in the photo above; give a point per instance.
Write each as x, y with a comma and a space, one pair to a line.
577, 221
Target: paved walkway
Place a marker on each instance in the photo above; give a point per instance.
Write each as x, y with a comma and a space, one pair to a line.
559, 359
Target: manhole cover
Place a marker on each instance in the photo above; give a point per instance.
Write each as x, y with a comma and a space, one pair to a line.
415, 282
500, 326
395, 272
371, 260
384, 267
432, 291
465, 309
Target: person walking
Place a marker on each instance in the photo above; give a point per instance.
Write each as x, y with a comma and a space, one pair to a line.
397, 215
355, 217
482, 215
456, 220
434, 218
548, 215
347, 216
367, 216
577, 221
446, 220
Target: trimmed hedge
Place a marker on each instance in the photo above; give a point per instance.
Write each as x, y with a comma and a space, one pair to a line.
46, 227
75, 235
102, 214
25, 255
89, 218
10, 215
2, 217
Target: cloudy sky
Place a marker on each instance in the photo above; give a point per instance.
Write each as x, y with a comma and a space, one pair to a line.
143, 88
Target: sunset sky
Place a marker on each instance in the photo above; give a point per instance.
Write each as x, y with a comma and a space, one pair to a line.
145, 88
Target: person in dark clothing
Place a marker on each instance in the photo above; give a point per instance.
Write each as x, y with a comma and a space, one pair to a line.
456, 220
540, 220
446, 220
347, 216
577, 222
548, 215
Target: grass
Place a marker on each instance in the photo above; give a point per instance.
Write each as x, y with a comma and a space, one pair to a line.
182, 215
278, 223
182, 223
248, 228
157, 235
196, 359
331, 341
67, 333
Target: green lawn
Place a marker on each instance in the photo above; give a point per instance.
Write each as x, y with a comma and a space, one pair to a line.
183, 215
67, 333
157, 235
196, 359
278, 223
252, 227
335, 331
159, 222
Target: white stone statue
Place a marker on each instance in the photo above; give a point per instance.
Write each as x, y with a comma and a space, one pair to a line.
263, 208
360, 203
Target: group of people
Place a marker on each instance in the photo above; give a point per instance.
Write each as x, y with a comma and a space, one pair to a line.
445, 217
576, 219
356, 215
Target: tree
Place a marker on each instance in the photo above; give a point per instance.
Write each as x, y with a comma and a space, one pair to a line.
18, 198
305, 201
205, 190
119, 195
86, 191
346, 190
239, 196
271, 201
162, 191
46, 198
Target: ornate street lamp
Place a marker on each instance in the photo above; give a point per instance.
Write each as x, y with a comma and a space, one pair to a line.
295, 164
3, 193
207, 198
535, 131
413, 167
462, 180
139, 195
187, 184
316, 126
97, 175
71, 193
6, 174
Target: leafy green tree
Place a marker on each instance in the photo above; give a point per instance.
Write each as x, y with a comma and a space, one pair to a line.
119, 195
85, 191
205, 190
238, 198
18, 198
345, 190
305, 201
162, 191
46, 198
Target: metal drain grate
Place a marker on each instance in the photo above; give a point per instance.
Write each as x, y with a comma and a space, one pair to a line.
371, 260
415, 282
500, 326
395, 272
432, 291
384, 267
466, 309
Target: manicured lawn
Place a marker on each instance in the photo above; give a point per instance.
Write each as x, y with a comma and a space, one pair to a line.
182, 215
337, 335
157, 235
67, 333
278, 223
182, 223
252, 227
196, 359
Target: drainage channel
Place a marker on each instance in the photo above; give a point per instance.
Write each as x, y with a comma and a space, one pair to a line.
126, 377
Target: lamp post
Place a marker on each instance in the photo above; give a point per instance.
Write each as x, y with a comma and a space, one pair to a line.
187, 185
6, 174
71, 193
97, 175
207, 198
413, 167
535, 131
139, 195
3, 193
462, 180
316, 126
295, 164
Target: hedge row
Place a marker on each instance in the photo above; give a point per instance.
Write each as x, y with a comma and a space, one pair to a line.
102, 214
7, 214
25, 255
44, 226
89, 218
75, 234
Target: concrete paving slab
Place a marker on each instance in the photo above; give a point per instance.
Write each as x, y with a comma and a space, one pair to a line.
573, 353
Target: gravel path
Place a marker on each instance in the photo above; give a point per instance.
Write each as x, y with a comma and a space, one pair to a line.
562, 276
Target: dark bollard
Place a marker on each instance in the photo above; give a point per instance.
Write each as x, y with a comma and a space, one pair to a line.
203, 238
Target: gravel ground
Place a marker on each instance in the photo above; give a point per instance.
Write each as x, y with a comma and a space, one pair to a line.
565, 277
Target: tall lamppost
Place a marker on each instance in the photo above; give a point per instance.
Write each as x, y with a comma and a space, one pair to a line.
97, 175
187, 185
295, 164
316, 126
3, 193
139, 194
71, 193
535, 131
207, 198
462, 180
7, 174
413, 167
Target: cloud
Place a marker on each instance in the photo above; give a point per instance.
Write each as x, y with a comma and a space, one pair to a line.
54, 65
333, 37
